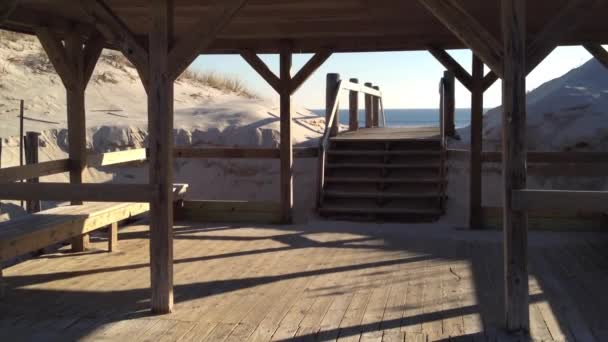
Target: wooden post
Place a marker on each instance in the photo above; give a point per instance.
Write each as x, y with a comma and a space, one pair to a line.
76, 122
31, 157
449, 103
21, 137
113, 237
353, 117
475, 220
376, 109
331, 91
514, 164
369, 108
160, 127
286, 137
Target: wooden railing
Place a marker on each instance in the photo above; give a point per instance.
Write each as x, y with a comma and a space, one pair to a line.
374, 116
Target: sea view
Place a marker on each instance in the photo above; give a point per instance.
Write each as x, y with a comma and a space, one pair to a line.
409, 117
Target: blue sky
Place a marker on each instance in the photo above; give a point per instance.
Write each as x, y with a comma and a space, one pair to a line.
407, 79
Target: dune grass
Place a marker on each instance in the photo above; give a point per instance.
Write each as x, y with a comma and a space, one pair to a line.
219, 81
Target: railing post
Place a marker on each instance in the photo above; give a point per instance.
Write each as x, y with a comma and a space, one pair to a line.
31, 157
449, 103
369, 115
353, 118
330, 97
376, 109
442, 107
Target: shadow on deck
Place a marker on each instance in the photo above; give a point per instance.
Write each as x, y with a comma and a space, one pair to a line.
322, 281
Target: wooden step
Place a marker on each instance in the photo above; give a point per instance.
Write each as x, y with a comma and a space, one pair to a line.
380, 195
380, 180
332, 210
381, 153
383, 166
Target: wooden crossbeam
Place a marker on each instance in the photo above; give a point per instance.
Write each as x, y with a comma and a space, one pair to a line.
262, 69
117, 32
135, 193
203, 34
57, 54
560, 199
489, 79
468, 30
452, 65
568, 18
6, 8
308, 69
597, 51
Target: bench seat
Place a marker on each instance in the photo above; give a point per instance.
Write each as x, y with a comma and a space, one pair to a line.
33, 232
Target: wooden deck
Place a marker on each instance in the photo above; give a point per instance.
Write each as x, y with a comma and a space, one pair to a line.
324, 281
390, 133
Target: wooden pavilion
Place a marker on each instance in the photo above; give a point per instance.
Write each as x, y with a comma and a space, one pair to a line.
162, 37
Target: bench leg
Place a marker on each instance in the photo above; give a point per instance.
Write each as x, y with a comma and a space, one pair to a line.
80, 243
113, 237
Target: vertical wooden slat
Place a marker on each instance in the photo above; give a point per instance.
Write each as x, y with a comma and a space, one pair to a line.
449, 103
113, 237
31, 157
475, 219
331, 90
376, 109
286, 137
21, 137
515, 223
353, 117
160, 126
369, 108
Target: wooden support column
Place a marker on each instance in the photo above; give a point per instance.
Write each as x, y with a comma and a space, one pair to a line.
475, 219
376, 109
369, 108
31, 157
331, 91
286, 148
74, 61
449, 103
515, 223
160, 127
353, 112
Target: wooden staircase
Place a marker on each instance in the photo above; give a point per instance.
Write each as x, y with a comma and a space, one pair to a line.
383, 180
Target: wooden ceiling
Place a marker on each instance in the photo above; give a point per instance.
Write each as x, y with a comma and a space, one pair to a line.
311, 25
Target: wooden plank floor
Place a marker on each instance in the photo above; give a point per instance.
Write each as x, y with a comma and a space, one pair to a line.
324, 281
390, 133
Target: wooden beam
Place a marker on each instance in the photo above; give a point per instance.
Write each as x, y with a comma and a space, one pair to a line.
185, 51
589, 201
57, 54
453, 66
92, 51
376, 109
449, 103
554, 157
6, 9
308, 69
515, 223
369, 107
468, 30
117, 32
230, 211
332, 84
598, 52
475, 217
361, 88
136, 193
119, 157
286, 145
15, 173
241, 152
489, 79
31, 157
565, 21
262, 69
160, 128
353, 108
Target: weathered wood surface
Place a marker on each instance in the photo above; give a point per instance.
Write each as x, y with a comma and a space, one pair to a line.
118, 157
514, 164
229, 211
390, 133
318, 282
78, 192
353, 107
560, 199
286, 143
39, 230
31, 157
476, 139
15, 173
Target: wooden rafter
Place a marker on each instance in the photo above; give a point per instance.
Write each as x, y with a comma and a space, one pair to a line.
568, 18
452, 65
191, 45
468, 30
308, 69
489, 79
598, 52
117, 32
262, 69
6, 8
55, 50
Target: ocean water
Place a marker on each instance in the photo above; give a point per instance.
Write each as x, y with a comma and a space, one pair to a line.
408, 117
